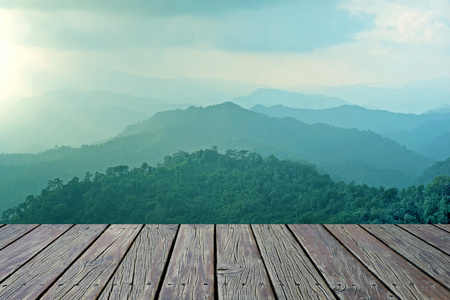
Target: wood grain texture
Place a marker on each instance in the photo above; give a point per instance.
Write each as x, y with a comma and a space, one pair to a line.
39, 273
426, 257
22, 250
190, 274
293, 274
431, 234
89, 274
139, 274
404, 279
445, 227
240, 269
344, 274
12, 232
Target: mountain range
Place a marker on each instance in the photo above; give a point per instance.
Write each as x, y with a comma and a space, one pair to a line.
346, 154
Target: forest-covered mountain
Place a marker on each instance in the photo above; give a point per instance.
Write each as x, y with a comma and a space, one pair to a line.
71, 118
436, 169
346, 154
420, 133
234, 187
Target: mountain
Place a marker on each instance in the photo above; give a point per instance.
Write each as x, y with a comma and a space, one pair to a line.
441, 109
439, 147
420, 133
440, 83
234, 187
407, 99
430, 138
66, 117
227, 126
346, 116
272, 97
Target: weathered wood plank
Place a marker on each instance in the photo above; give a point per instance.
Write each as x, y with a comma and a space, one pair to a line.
17, 254
13, 232
427, 258
404, 279
89, 274
346, 276
139, 274
293, 274
240, 269
190, 274
38, 274
430, 234
445, 227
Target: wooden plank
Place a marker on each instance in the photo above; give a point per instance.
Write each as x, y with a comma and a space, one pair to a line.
190, 274
139, 274
431, 234
17, 254
427, 258
293, 274
13, 232
39, 273
89, 274
344, 274
404, 279
445, 227
240, 269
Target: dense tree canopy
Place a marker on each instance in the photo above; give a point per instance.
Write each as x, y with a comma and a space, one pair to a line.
234, 187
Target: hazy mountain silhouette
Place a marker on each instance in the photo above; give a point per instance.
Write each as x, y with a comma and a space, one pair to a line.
72, 118
421, 133
406, 99
270, 97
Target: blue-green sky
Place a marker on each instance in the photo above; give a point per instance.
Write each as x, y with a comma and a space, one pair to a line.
276, 43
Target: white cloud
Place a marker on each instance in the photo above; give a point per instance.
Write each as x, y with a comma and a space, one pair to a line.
407, 22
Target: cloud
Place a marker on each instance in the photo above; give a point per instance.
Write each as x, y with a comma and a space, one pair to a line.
141, 7
294, 26
406, 22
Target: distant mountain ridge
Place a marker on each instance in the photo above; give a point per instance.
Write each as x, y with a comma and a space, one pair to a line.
266, 97
409, 99
421, 133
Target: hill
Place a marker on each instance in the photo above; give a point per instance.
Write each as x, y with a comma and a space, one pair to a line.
235, 187
270, 97
71, 118
378, 161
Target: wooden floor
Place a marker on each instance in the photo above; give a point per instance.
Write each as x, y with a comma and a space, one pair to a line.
225, 261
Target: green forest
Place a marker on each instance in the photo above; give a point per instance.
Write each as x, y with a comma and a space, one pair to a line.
237, 186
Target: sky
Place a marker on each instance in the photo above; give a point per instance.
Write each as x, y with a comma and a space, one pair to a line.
279, 43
